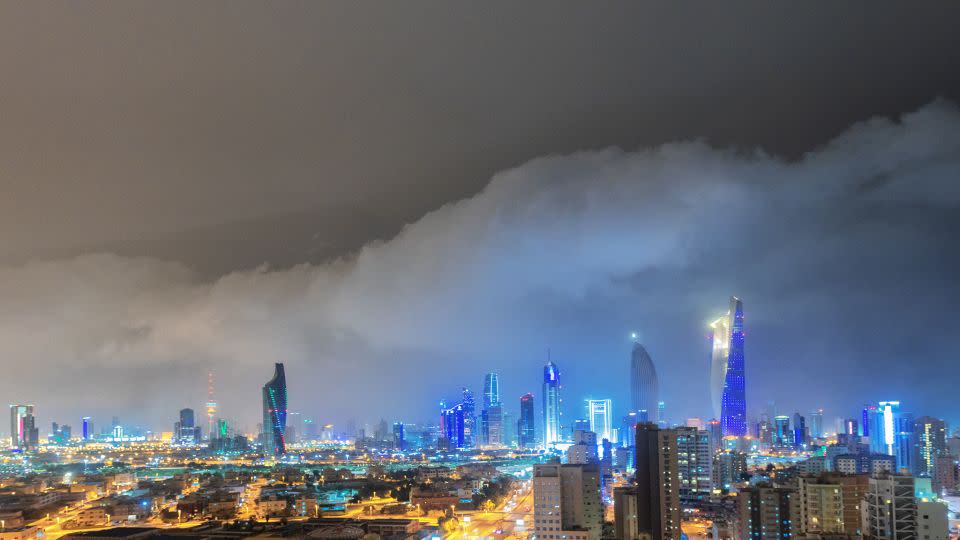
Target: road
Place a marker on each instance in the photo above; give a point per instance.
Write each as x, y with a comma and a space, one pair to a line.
500, 522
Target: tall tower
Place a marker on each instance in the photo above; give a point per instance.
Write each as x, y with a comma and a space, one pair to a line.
491, 416
644, 384
24, 433
275, 413
551, 405
211, 405
491, 390
727, 386
930, 441
526, 434
599, 411
657, 483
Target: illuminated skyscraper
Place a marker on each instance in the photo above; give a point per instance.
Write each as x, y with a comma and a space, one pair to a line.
452, 426
491, 416
492, 426
600, 412
799, 430
727, 386
211, 405
782, 436
491, 390
930, 441
882, 427
526, 434
644, 384
458, 422
24, 434
275, 413
87, 428
867, 419
185, 430
469, 418
399, 437
816, 423
551, 405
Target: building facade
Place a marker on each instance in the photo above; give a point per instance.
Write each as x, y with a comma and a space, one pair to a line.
767, 513
694, 463
657, 483
566, 502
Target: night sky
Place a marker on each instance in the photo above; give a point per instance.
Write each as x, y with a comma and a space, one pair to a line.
394, 198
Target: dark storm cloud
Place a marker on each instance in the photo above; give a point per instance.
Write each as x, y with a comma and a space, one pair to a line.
224, 135
845, 259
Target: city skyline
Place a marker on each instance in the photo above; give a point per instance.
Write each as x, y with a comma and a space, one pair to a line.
427, 270
723, 330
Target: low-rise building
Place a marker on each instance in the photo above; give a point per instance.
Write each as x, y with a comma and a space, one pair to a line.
273, 507
24, 532
95, 516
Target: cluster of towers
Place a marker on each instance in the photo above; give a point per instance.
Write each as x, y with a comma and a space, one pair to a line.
461, 427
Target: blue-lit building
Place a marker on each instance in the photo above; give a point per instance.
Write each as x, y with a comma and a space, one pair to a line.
451, 426
275, 413
399, 438
526, 433
491, 390
727, 381
552, 426
185, 430
457, 422
782, 436
905, 448
469, 418
891, 433
799, 430
87, 428
491, 416
867, 419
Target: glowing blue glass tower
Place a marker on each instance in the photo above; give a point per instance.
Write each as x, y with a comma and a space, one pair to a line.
275, 413
727, 384
551, 405
491, 390
526, 434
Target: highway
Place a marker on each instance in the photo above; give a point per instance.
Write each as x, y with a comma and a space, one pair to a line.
500, 522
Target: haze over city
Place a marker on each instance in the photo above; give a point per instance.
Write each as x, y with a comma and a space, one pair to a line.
394, 203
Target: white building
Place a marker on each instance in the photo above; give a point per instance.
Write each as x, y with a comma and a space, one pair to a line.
891, 511
566, 502
600, 413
